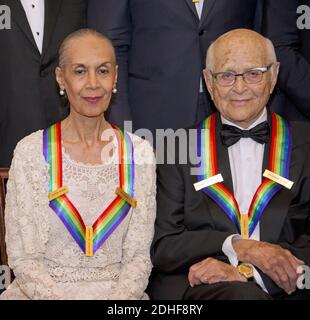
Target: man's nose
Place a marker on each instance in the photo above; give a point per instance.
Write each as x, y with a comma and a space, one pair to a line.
239, 86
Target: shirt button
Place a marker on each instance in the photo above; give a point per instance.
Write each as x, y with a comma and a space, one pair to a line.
38, 33
33, 6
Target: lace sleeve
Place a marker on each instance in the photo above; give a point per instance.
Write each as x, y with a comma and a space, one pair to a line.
136, 263
24, 240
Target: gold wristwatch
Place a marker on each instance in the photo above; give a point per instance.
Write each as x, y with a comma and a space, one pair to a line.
246, 270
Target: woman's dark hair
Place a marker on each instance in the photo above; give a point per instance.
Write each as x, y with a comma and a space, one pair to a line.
79, 34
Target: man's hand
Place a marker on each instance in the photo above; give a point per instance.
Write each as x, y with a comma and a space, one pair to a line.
212, 271
278, 263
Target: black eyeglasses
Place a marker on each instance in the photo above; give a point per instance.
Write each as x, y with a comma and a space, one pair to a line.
251, 76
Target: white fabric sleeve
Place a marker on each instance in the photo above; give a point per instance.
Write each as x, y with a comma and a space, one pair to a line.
22, 232
230, 253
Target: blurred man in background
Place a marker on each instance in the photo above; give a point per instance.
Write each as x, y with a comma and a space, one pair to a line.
29, 98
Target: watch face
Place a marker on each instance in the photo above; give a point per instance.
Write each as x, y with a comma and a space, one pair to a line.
246, 269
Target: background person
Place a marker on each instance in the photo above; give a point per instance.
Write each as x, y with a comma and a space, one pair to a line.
292, 46
160, 47
29, 98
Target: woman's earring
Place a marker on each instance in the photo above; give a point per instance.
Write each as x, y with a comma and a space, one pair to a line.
62, 92
114, 90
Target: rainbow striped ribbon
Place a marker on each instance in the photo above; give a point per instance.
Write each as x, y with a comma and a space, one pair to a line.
113, 215
279, 162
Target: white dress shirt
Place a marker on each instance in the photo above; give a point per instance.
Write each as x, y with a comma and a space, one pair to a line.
246, 162
34, 10
199, 6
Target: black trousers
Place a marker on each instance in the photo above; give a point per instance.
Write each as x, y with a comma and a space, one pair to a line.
239, 291
227, 291
297, 295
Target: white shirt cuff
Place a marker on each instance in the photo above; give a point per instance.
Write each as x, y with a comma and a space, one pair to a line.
229, 250
259, 280
230, 253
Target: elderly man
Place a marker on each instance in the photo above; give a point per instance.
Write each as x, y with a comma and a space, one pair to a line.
236, 226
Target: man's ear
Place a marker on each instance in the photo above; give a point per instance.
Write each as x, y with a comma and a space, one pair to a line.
274, 76
209, 81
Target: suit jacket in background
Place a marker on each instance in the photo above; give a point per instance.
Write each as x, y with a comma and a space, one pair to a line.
293, 51
29, 98
161, 47
191, 227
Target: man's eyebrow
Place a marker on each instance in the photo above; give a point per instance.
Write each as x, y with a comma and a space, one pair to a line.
105, 63
100, 65
250, 67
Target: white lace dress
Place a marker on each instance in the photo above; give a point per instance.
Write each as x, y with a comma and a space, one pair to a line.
47, 262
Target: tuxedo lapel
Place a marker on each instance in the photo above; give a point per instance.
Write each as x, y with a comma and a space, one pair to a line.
52, 8
223, 157
267, 146
206, 9
19, 16
218, 214
192, 7
223, 164
272, 219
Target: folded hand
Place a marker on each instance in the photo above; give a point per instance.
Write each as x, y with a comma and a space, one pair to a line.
211, 270
278, 263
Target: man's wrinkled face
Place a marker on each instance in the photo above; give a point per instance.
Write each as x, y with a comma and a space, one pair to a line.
241, 103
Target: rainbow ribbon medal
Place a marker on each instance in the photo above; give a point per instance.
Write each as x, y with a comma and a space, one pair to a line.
89, 238
279, 162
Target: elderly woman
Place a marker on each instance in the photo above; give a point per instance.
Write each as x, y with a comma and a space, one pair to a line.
78, 223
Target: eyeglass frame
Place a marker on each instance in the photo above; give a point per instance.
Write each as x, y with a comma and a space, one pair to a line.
262, 69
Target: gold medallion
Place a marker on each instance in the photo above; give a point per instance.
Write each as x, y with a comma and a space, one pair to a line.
244, 224
89, 242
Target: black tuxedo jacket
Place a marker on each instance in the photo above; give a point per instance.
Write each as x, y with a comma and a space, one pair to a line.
161, 47
293, 51
190, 226
29, 98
